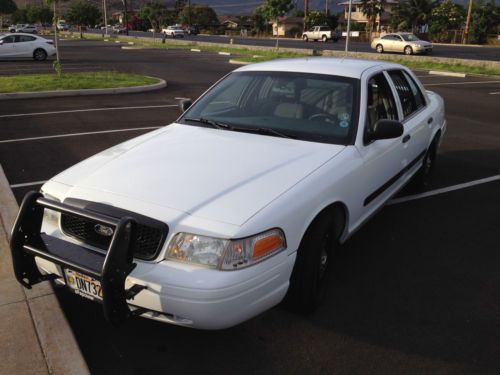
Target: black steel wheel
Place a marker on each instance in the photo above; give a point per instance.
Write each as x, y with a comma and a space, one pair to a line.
309, 280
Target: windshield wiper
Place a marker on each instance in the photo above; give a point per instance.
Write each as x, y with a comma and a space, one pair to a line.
213, 123
265, 131
271, 131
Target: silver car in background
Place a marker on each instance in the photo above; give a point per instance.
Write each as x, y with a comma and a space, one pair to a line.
406, 43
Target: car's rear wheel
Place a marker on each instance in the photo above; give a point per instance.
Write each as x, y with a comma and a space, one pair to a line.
39, 54
424, 175
305, 38
380, 48
408, 50
309, 280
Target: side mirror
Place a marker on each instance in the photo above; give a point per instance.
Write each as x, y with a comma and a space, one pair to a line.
184, 104
386, 129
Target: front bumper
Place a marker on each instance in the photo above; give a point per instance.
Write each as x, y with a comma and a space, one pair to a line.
167, 291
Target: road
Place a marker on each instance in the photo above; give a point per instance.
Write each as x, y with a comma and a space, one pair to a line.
414, 291
451, 51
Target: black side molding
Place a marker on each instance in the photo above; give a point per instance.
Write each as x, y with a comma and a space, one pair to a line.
388, 184
111, 269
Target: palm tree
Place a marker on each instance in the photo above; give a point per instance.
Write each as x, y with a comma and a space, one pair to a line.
372, 9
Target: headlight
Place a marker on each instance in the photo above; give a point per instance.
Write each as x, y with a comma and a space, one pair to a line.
225, 254
51, 217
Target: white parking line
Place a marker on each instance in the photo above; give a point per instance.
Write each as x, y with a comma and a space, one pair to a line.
495, 93
459, 83
444, 190
77, 134
28, 184
88, 110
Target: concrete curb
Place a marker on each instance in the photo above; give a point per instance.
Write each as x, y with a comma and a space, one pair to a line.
53, 94
37, 334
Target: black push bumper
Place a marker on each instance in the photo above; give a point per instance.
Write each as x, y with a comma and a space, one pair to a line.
110, 269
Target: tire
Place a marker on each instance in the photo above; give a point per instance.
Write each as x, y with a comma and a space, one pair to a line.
379, 48
305, 38
324, 39
39, 54
408, 50
309, 280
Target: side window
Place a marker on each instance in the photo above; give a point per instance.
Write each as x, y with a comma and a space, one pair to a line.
387, 37
26, 38
409, 94
8, 39
381, 103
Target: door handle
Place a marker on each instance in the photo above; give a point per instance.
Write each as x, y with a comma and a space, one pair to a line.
406, 138
430, 120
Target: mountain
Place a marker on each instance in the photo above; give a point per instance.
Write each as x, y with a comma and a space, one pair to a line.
241, 7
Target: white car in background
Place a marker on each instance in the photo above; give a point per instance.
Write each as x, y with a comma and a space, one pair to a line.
239, 204
173, 31
21, 45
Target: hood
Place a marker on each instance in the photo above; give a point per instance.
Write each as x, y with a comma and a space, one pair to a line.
213, 174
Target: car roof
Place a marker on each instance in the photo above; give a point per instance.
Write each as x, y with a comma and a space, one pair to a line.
352, 68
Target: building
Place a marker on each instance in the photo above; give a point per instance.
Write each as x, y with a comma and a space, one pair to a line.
357, 15
288, 26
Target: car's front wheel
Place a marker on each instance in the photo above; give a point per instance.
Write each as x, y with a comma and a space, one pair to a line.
39, 54
309, 280
408, 50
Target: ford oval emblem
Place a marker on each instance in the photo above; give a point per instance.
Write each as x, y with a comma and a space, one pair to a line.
103, 230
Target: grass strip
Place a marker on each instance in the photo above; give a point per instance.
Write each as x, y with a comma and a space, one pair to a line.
72, 81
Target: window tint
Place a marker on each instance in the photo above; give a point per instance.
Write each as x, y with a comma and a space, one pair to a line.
409, 94
381, 103
388, 37
8, 39
26, 38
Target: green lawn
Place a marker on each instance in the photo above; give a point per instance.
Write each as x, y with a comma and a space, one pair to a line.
72, 81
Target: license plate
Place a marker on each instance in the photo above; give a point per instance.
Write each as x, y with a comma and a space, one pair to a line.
84, 285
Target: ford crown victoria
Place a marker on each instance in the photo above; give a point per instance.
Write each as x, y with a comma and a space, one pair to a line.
238, 205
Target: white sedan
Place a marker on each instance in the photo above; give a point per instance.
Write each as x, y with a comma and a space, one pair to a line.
25, 45
239, 204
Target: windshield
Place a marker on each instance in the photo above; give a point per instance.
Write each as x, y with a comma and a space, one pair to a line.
312, 107
409, 37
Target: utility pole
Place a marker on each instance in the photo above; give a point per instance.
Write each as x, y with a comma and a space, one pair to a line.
326, 8
306, 9
189, 13
348, 27
126, 16
467, 24
105, 18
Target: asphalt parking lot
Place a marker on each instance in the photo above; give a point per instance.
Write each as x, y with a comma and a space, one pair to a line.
416, 290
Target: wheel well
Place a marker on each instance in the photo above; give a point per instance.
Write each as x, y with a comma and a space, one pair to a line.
338, 211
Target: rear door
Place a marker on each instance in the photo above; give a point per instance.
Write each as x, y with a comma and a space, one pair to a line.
417, 120
25, 45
